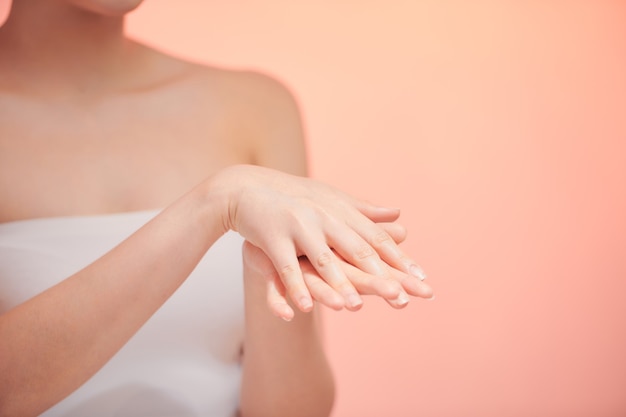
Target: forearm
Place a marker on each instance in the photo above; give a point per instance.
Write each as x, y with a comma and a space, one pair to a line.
55, 341
285, 372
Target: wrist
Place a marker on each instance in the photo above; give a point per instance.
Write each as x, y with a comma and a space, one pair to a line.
213, 201
223, 191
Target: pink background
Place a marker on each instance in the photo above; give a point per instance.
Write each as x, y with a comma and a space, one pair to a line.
500, 129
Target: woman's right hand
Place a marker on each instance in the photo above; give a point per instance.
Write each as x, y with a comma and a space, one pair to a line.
288, 217
395, 291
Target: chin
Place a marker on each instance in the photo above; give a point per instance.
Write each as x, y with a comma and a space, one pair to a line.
108, 7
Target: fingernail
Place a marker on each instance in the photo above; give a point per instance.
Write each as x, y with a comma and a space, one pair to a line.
402, 299
354, 300
285, 312
306, 303
432, 297
417, 272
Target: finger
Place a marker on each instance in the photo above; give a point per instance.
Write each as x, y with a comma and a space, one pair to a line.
386, 247
277, 301
319, 289
326, 264
395, 230
376, 213
413, 285
285, 261
275, 293
396, 294
367, 284
354, 249
400, 302
398, 234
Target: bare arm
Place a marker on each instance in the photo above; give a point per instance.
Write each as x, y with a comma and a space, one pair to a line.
285, 372
55, 341
285, 368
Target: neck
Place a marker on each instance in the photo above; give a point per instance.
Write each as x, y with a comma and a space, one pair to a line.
53, 45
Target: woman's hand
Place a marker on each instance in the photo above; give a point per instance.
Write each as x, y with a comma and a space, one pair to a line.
288, 217
393, 288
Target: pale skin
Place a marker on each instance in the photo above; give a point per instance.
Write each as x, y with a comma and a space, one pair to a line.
94, 123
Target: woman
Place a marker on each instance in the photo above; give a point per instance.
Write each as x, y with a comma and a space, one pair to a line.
122, 171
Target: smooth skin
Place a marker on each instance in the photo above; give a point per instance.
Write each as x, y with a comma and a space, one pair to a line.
94, 123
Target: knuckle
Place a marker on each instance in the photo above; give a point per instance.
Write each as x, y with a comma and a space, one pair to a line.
364, 251
286, 272
381, 238
325, 259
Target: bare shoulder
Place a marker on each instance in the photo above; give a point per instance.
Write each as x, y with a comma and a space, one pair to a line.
266, 114
256, 111
266, 98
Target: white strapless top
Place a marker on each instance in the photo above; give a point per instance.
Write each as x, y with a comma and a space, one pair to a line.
184, 362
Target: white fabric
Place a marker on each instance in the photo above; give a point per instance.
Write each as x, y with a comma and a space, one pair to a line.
184, 362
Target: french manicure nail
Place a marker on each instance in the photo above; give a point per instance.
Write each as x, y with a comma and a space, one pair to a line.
354, 300
305, 303
402, 299
417, 272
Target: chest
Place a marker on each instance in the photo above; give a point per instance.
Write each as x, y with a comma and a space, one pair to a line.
124, 154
